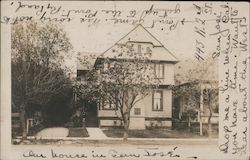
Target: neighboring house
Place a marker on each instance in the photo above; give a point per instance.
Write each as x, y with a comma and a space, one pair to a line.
155, 110
193, 97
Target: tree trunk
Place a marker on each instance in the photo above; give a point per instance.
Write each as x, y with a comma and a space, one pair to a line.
210, 127
23, 123
209, 118
189, 123
125, 134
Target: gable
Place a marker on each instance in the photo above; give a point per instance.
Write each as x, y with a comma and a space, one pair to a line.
140, 36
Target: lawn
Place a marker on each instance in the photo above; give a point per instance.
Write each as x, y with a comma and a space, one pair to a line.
153, 133
78, 132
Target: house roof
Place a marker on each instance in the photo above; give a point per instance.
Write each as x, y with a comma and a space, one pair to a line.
211, 83
140, 35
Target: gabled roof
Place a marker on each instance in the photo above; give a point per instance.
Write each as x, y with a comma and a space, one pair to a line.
140, 35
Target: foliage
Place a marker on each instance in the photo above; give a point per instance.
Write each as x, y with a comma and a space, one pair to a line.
190, 77
189, 70
37, 55
38, 52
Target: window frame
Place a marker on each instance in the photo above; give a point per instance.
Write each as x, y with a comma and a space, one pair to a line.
163, 70
161, 100
137, 111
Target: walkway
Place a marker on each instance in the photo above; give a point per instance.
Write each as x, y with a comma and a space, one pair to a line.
55, 132
62, 133
96, 133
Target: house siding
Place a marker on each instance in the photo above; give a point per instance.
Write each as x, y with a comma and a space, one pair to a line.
147, 117
167, 105
159, 118
168, 74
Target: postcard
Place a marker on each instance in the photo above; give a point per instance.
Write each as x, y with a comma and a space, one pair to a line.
140, 80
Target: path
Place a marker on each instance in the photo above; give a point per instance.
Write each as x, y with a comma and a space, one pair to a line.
96, 133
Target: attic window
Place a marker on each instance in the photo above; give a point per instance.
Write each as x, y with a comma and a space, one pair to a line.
139, 49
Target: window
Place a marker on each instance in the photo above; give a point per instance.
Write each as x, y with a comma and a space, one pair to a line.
78, 78
108, 106
159, 70
157, 101
106, 66
139, 49
148, 51
216, 109
137, 111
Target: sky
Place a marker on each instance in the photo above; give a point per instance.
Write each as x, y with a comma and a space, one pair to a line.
99, 37
162, 19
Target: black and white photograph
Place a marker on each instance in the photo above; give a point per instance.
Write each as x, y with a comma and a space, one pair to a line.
124, 80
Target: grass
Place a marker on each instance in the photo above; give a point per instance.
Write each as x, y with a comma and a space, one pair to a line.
153, 133
78, 132
34, 130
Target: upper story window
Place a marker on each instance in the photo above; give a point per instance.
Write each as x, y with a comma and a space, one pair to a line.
105, 66
157, 101
159, 70
108, 65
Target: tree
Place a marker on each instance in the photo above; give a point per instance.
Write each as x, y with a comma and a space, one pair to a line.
188, 70
194, 73
122, 80
38, 52
211, 96
190, 94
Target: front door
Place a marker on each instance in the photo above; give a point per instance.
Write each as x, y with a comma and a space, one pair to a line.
91, 115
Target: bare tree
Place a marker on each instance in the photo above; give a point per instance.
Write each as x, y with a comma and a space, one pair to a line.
122, 80
38, 52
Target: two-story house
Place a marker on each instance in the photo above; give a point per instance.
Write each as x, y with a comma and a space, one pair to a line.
155, 110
